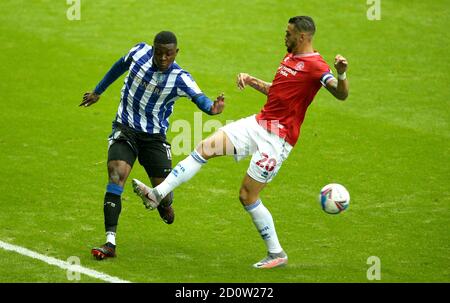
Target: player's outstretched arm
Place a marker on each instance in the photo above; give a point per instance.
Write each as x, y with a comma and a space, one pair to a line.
208, 106
115, 72
244, 79
339, 87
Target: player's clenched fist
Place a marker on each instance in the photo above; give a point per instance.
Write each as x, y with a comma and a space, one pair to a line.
340, 63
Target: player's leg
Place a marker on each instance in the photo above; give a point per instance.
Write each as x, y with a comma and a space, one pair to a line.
262, 218
216, 145
264, 166
118, 172
156, 157
165, 209
121, 157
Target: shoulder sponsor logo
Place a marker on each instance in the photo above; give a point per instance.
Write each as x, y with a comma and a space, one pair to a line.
285, 71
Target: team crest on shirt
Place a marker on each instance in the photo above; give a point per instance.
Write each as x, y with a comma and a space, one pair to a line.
300, 65
159, 77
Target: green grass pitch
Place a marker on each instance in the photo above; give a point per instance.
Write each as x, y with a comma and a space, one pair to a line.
389, 143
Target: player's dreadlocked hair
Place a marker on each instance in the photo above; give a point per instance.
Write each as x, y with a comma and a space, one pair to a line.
303, 24
165, 37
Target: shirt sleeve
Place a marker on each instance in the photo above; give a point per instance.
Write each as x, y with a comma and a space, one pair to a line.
120, 67
203, 103
187, 86
115, 72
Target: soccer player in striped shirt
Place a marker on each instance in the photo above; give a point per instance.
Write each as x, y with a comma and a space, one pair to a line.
153, 83
268, 136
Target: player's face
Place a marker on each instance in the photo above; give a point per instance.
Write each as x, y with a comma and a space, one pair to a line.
291, 38
164, 55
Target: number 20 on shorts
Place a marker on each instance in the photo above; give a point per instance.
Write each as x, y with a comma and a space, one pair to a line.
267, 163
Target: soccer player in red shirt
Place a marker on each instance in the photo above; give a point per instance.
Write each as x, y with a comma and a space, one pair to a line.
268, 136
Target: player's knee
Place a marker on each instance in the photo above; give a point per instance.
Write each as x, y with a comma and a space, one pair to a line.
244, 196
247, 197
204, 150
116, 175
117, 178
212, 146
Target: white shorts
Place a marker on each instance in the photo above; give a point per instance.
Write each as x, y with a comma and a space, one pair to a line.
268, 150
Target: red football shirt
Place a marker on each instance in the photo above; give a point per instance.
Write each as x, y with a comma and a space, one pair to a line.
297, 81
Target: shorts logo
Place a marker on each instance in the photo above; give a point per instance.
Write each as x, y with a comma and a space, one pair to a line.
116, 134
168, 152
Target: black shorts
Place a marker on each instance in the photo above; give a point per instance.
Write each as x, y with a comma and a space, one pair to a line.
152, 150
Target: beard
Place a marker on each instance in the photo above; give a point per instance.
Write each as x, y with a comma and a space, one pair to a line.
290, 46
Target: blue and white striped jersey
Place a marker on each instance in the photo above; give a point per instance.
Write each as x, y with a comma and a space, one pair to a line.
148, 95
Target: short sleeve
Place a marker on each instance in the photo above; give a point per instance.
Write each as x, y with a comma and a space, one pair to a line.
187, 86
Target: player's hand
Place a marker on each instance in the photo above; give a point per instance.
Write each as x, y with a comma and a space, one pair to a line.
218, 105
242, 80
89, 98
340, 63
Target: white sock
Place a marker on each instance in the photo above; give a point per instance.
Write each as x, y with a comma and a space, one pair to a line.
111, 237
183, 172
265, 226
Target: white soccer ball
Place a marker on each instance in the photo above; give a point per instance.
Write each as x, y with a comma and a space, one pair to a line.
334, 198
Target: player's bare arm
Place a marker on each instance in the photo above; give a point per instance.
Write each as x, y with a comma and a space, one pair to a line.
89, 98
244, 79
339, 87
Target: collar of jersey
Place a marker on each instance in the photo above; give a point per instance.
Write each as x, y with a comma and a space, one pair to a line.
154, 68
306, 55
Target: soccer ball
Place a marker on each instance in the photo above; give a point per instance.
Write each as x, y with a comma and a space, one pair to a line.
334, 198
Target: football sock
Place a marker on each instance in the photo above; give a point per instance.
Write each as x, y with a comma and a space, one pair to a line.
264, 224
183, 172
111, 209
111, 237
